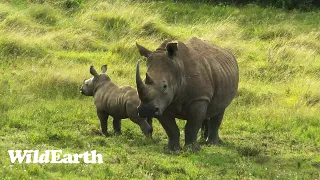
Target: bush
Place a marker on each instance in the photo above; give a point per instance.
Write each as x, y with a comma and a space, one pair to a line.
43, 15
14, 48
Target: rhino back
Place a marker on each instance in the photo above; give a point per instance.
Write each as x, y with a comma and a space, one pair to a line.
113, 100
211, 74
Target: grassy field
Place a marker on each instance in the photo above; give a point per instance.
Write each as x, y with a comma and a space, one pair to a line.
271, 130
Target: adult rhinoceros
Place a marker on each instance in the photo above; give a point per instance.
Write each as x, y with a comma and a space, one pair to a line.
194, 81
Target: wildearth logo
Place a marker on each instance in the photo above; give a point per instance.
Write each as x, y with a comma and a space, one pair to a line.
53, 156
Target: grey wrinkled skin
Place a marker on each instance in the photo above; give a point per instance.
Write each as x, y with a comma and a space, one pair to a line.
118, 102
195, 81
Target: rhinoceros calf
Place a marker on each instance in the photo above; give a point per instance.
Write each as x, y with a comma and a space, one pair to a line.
118, 102
194, 81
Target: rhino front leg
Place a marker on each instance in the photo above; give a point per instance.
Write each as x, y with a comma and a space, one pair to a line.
170, 126
117, 125
214, 124
103, 117
149, 120
196, 115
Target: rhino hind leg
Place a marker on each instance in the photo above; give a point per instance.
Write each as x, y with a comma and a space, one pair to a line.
196, 115
103, 117
204, 130
213, 127
117, 125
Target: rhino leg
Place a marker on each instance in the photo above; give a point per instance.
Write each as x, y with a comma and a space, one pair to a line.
204, 130
103, 117
170, 126
117, 125
149, 120
196, 115
214, 124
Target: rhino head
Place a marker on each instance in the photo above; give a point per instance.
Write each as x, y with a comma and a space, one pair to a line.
89, 85
159, 87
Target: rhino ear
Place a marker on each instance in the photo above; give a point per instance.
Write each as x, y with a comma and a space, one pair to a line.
143, 51
104, 68
172, 47
93, 72
164, 43
149, 79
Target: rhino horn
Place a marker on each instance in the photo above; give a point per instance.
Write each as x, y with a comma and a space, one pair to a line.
104, 68
141, 87
148, 79
172, 48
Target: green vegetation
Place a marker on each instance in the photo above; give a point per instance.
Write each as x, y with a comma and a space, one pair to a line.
271, 130
285, 4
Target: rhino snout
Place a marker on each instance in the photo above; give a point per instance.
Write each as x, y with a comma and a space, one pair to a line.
82, 91
157, 111
148, 110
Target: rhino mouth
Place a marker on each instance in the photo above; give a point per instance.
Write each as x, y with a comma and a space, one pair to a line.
81, 90
148, 110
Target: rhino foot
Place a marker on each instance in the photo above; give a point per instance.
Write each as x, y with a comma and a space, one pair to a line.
194, 147
106, 133
216, 141
174, 147
117, 133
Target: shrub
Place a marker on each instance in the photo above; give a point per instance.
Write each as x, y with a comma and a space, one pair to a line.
44, 15
14, 48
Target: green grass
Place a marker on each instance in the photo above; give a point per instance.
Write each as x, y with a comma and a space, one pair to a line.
271, 129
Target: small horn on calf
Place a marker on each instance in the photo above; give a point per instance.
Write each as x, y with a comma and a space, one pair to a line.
141, 87
104, 68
